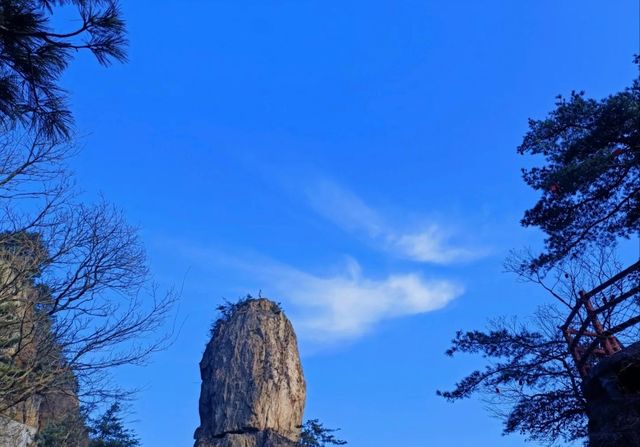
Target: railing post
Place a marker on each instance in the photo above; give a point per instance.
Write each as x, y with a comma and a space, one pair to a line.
605, 342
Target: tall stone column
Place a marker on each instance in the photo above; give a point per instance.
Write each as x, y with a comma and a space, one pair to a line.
253, 389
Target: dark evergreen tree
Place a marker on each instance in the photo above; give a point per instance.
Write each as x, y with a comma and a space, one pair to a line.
314, 434
34, 53
109, 430
590, 178
530, 381
590, 185
69, 431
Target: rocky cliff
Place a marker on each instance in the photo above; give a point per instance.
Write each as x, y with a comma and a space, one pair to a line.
253, 389
612, 392
37, 388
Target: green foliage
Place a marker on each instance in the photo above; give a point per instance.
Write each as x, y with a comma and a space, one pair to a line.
109, 431
106, 431
228, 308
314, 434
529, 378
52, 435
68, 432
34, 55
590, 179
590, 185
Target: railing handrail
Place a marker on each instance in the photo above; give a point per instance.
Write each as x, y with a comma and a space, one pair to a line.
600, 288
604, 337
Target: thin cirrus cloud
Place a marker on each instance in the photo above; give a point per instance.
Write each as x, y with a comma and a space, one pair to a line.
432, 244
346, 305
343, 305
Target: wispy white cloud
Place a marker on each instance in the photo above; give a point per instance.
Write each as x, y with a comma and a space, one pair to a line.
344, 208
342, 305
430, 243
347, 305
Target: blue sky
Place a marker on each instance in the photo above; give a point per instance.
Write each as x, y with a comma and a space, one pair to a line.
354, 160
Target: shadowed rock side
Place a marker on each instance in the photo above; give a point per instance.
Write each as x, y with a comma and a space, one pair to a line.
253, 390
612, 392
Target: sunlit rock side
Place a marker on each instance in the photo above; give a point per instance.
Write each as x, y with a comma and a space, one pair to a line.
29, 353
253, 389
15, 434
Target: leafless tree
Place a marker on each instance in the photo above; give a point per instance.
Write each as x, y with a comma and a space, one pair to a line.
75, 295
569, 279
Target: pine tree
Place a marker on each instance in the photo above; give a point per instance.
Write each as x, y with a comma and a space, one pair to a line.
315, 434
109, 430
590, 179
529, 382
34, 54
590, 184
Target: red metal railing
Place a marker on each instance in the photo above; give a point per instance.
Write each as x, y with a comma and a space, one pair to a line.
590, 331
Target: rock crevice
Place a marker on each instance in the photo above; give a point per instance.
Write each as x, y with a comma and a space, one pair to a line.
242, 431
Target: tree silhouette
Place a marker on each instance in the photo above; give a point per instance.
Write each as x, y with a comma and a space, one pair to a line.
590, 179
34, 53
109, 430
315, 434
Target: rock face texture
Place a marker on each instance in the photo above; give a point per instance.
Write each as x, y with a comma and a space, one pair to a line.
253, 390
29, 347
612, 392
